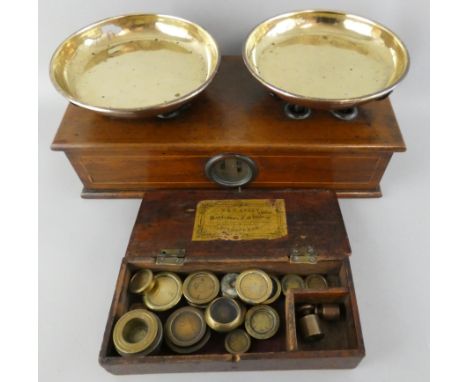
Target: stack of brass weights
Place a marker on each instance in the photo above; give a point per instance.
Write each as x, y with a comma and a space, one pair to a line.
188, 328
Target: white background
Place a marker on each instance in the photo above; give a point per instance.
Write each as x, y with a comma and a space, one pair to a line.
82, 241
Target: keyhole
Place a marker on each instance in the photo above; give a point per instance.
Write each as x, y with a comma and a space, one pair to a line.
240, 166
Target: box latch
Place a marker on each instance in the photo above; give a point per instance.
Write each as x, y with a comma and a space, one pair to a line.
172, 256
303, 255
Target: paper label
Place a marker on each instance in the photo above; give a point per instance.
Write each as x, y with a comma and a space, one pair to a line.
240, 219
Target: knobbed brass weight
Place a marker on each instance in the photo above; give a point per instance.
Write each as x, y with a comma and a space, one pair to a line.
309, 323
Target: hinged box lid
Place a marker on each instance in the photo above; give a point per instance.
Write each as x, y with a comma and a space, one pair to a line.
180, 226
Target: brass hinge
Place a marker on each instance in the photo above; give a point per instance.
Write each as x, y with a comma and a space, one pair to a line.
172, 256
303, 255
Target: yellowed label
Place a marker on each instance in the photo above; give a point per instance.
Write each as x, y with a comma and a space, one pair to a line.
240, 219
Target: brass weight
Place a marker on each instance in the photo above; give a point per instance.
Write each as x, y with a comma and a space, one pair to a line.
262, 322
291, 281
316, 281
276, 291
254, 286
309, 323
224, 314
237, 342
185, 330
137, 333
200, 288
141, 282
329, 312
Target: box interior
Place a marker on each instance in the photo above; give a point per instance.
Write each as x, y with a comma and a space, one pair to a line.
339, 335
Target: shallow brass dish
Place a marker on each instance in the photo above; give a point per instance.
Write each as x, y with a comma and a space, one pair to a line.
324, 59
135, 65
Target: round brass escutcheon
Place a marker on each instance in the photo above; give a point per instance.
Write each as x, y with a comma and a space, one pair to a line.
137, 332
141, 281
231, 170
262, 322
254, 286
276, 292
185, 326
228, 285
316, 281
237, 342
200, 288
166, 292
224, 314
291, 281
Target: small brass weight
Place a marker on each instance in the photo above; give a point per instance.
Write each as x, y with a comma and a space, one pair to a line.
309, 322
329, 312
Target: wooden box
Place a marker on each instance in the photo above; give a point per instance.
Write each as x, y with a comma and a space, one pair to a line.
126, 158
314, 241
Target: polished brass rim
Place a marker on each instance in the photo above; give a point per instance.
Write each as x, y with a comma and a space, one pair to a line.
302, 99
177, 293
134, 111
142, 318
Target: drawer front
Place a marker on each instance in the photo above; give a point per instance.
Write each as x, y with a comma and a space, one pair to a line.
148, 171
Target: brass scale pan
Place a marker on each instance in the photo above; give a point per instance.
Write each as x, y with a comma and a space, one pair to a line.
149, 64
135, 65
325, 60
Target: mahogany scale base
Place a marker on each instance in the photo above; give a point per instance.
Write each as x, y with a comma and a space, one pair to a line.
117, 158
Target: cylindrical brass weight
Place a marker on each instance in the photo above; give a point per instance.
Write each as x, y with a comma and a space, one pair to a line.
186, 331
329, 312
137, 333
316, 281
224, 314
200, 288
309, 324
